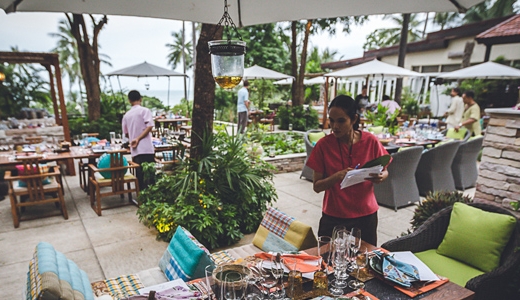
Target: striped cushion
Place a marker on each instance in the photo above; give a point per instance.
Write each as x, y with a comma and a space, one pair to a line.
124, 286
280, 232
185, 258
52, 276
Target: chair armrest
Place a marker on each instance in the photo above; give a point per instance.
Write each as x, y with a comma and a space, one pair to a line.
9, 177
427, 236
131, 165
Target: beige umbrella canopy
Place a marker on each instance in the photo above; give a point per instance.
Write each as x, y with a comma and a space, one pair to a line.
487, 70
257, 72
243, 12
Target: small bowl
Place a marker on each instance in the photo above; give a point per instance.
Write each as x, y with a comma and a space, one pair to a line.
385, 141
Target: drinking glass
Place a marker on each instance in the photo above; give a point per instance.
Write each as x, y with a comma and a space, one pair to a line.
295, 281
251, 292
277, 270
268, 281
321, 281
361, 262
353, 247
233, 286
339, 263
76, 139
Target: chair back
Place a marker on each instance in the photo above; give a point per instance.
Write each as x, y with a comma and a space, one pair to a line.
464, 165
118, 174
311, 137
434, 170
463, 134
32, 177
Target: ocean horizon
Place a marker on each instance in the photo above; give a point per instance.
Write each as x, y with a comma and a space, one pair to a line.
174, 99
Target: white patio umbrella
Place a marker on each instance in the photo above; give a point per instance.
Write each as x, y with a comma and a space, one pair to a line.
289, 81
374, 68
257, 72
243, 12
487, 70
146, 70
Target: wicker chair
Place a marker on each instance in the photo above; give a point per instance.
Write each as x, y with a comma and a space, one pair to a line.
306, 171
431, 233
35, 191
464, 165
434, 170
118, 178
451, 133
400, 189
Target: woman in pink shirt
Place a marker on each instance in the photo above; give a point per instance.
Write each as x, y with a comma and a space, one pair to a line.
335, 155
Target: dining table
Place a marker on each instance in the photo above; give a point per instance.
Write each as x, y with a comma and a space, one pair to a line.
385, 290
174, 123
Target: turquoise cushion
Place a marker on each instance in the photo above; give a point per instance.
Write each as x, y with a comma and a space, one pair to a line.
455, 270
52, 276
185, 258
43, 169
104, 163
476, 237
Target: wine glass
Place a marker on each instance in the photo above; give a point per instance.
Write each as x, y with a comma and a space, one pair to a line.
233, 287
361, 262
268, 281
339, 263
277, 270
353, 246
76, 139
321, 282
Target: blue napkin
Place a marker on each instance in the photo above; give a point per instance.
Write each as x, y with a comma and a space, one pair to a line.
397, 271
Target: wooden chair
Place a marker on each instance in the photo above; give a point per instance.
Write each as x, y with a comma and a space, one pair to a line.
36, 192
119, 176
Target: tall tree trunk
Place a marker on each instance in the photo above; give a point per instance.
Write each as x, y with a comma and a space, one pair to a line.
402, 54
184, 58
194, 45
204, 97
425, 25
89, 60
294, 57
466, 57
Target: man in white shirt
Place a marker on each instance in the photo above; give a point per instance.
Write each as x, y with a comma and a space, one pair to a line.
243, 106
456, 110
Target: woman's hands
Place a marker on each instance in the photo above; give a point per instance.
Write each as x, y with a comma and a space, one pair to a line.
377, 177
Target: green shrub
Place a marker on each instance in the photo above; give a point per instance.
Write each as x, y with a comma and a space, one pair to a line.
301, 118
218, 197
433, 203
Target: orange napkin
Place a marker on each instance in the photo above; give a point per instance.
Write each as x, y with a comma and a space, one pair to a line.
361, 292
291, 259
415, 291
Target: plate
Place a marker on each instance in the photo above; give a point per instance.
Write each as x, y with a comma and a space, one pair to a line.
162, 146
375, 263
99, 150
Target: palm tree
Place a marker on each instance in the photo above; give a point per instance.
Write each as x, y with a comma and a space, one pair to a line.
490, 9
447, 19
385, 37
69, 58
177, 48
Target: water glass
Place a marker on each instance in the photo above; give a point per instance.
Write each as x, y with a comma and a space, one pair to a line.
361, 262
294, 287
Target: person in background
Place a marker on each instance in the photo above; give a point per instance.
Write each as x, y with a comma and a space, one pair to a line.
362, 101
243, 106
137, 124
332, 158
390, 104
454, 113
471, 116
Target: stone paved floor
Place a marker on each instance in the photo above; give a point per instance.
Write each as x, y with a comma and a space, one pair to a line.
117, 244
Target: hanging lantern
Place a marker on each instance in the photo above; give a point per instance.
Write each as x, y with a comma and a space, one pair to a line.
2, 76
227, 56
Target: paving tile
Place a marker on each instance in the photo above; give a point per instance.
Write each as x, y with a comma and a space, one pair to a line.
13, 277
115, 228
130, 256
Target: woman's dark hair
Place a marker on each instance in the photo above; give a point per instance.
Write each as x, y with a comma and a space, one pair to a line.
457, 91
348, 105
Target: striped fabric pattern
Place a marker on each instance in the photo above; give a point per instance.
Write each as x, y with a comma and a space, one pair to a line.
222, 257
276, 222
124, 286
171, 268
167, 155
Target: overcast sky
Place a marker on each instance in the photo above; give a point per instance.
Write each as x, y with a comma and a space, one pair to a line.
132, 40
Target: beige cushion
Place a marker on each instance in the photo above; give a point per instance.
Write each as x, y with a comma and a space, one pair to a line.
52, 185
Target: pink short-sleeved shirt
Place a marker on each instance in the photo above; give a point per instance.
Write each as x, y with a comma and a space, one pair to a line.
135, 121
330, 156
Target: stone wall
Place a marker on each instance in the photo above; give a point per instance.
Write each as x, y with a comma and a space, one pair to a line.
287, 163
499, 172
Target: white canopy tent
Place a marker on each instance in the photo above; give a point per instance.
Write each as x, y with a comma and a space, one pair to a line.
257, 72
487, 70
146, 70
373, 68
289, 81
243, 12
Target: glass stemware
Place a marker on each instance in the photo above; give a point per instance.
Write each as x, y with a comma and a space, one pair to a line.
277, 270
268, 281
339, 263
233, 286
361, 262
353, 247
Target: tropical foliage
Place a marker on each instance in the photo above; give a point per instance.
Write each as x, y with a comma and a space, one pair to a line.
301, 118
380, 117
434, 202
385, 37
217, 197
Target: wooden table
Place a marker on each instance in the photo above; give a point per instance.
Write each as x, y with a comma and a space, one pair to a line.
384, 291
175, 123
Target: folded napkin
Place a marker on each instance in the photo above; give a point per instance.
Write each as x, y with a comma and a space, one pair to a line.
397, 271
173, 293
304, 262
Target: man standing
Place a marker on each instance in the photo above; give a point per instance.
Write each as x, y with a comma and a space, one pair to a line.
471, 117
362, 101
137, 124
454, 113
243, 106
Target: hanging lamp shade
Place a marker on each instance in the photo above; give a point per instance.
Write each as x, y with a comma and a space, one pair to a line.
227, 62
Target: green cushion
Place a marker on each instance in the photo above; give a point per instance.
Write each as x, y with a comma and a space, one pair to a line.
315, 136
376, 129
452, 134
456, 271
476, 237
